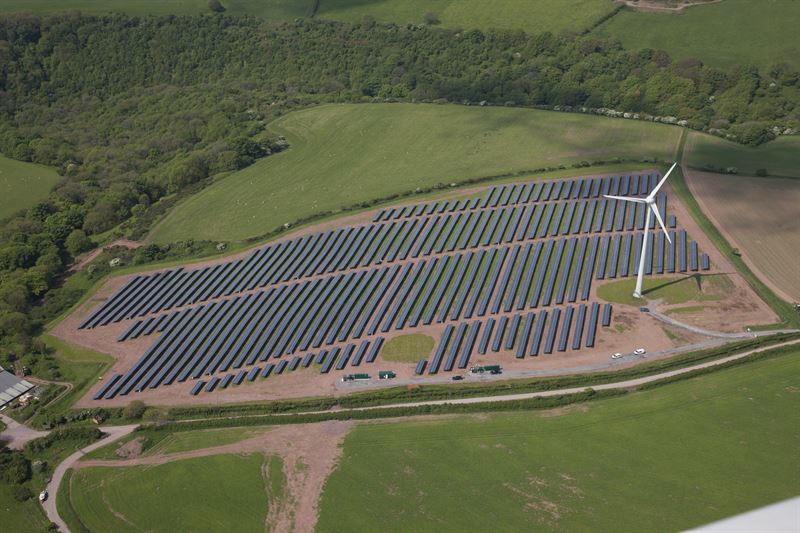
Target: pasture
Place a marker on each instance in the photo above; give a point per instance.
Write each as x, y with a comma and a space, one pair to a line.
23, 184
268, 9
670, 458
724, 34
780, 157
760, 217
341, 155
213, 493
532, 17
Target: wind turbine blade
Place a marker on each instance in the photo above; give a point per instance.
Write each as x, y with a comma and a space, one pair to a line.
660, 183
626, 198
654, 207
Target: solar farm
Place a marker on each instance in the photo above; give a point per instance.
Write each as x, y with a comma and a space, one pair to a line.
505, 274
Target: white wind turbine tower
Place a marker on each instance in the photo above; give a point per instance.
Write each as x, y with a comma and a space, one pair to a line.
650, 201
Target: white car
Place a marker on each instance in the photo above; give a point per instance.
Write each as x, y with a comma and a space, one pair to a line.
616, 355
43, 496
639, 351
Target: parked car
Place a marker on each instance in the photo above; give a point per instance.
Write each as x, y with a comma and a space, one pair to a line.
639, 351
458, 378
43, 495
616, 355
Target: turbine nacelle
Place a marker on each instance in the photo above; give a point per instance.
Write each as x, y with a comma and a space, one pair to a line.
651, 207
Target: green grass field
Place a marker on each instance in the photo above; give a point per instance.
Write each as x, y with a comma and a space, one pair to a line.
20, 516
726, 34
344, 154
780, 157
677, 456
269, 9
673, 290
532, 17
23, 184
215, 493
407, 348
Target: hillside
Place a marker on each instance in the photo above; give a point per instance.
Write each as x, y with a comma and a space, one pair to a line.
341, 155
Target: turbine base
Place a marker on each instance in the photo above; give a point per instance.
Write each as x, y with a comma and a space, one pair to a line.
637, 294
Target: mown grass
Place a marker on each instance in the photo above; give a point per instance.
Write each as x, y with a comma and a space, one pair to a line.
724, 34
341, 155
407, 348
780, 157
672, 289
674, 457
215, 493
532, 17
23, 184
269, 9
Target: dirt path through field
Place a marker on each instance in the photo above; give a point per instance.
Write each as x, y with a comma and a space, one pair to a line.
309, 453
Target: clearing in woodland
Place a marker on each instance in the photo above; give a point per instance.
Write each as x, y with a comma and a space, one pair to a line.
23, 184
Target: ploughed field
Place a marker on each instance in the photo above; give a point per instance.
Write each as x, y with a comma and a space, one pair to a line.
760, 216
509, 270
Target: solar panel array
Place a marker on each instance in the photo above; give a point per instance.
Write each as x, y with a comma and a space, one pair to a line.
510, 271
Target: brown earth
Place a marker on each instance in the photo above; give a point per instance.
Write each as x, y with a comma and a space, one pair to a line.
761, 217
309, 453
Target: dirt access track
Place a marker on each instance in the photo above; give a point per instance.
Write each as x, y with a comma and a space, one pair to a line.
729, 310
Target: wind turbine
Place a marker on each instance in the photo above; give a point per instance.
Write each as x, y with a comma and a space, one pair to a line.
652, 207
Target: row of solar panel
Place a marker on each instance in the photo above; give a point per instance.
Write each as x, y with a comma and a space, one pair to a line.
366, 351
520, 193
417, 293
523, 332
147, 294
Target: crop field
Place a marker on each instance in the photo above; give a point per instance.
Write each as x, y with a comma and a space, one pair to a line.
532, 17
269, 9
780, 157
218, 492
667, 459
341, 155
724, 34
760, 217
23, 184
508, 271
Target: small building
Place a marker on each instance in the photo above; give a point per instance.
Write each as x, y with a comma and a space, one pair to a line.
12, 387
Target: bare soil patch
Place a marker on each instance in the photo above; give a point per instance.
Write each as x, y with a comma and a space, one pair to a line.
131, 449
760, 217
309, 452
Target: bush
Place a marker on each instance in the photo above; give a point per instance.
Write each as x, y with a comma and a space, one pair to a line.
216, 6
14, 467
762, 173
21, 493
134, 410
